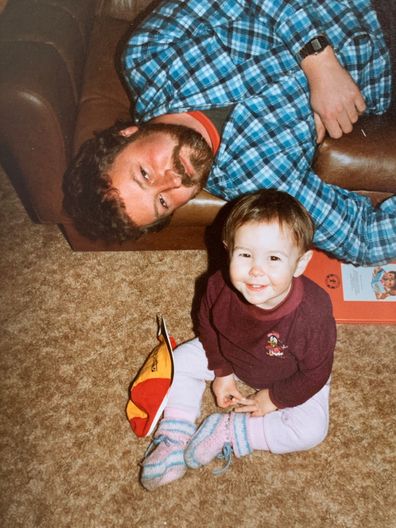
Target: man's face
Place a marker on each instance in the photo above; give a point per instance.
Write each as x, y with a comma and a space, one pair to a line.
157, 173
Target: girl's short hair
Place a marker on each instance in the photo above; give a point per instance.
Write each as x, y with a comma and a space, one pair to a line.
267, 206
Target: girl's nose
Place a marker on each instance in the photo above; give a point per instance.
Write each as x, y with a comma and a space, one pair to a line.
257, 271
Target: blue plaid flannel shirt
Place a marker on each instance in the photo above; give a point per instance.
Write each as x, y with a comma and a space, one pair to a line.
202, 54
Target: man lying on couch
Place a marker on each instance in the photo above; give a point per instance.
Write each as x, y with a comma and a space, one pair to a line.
233, 97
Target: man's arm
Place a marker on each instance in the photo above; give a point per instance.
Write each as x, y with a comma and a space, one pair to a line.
164, 41
335, 98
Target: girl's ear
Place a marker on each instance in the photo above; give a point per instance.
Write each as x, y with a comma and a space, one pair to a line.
302, 263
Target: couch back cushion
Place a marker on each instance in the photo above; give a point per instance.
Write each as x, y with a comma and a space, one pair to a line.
125, 9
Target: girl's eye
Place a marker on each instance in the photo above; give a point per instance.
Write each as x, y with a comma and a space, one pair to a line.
163, 203
274, 258
244, 255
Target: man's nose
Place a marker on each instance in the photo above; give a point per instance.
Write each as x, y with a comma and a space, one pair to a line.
171, 180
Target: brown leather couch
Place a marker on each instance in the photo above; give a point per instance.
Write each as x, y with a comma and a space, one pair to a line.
59, 83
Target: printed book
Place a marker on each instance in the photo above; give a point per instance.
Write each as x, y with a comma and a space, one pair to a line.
359, 294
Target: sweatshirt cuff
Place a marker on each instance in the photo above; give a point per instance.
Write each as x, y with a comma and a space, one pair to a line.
223, 371
276, 402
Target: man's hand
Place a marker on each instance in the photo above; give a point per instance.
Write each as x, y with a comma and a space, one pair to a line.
226, 391
335, 98
258, 404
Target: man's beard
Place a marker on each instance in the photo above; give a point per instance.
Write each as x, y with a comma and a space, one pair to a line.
199, 153
200, 156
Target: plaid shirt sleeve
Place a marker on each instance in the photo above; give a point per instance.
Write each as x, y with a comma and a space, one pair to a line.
209, 43
200, 54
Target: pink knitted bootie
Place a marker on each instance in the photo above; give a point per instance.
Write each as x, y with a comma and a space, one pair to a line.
220, 435
164, 459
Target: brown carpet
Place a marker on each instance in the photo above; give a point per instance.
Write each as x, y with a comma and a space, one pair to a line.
74, 330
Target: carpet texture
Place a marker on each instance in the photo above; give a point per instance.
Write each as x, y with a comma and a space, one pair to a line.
75, 328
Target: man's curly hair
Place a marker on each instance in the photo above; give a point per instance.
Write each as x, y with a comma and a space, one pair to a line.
89, 197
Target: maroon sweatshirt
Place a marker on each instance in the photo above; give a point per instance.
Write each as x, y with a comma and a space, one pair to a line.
288, 350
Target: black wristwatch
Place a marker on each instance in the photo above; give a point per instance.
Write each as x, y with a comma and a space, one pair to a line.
313, 47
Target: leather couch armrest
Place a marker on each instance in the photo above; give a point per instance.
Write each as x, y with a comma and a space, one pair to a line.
43, 46
364, 160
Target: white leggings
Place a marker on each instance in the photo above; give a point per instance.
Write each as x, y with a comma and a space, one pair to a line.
283, 431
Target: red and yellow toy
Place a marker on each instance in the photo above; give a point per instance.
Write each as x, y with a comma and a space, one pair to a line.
149, 390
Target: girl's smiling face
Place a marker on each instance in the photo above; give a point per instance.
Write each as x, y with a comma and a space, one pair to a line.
263, 263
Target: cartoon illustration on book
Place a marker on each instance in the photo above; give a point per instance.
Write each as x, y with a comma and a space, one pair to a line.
383, 282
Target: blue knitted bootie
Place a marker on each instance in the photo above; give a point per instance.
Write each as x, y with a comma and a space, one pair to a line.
164, 458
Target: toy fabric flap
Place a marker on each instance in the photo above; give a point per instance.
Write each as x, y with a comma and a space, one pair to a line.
149, 390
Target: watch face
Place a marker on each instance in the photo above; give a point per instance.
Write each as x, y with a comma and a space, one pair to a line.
316, 45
